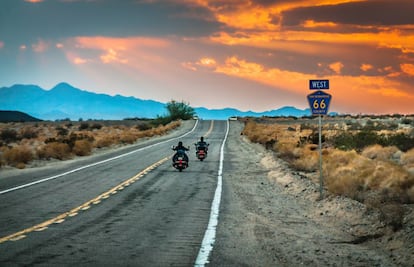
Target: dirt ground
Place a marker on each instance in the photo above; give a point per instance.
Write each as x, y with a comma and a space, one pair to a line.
272, 216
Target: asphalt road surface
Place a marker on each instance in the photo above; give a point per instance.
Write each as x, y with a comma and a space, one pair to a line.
129, 207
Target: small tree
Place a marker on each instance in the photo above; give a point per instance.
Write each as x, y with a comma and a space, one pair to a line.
179, 110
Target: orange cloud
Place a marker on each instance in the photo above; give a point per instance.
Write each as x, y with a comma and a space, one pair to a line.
34, 1
78, 60
366, 67
408, 69
348, 91
121, 50
314, 24
336, 67
112, 55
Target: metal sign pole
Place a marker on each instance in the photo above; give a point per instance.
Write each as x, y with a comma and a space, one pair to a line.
320, 159
319, 104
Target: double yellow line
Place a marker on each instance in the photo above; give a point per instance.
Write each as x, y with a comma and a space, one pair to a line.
85, 206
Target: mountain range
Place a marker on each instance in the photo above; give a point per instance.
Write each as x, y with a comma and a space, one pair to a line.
67, 102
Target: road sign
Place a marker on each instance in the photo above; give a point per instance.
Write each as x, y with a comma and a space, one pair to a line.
318, 84
319, 102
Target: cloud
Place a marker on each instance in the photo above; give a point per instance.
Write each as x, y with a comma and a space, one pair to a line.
366, 67
348, 91
1, 44
79, 60
40, 47
373, 12
112, 55
55, 19
336, 67
408, 69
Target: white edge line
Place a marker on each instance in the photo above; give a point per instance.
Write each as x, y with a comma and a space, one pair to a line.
93, 164
210, 234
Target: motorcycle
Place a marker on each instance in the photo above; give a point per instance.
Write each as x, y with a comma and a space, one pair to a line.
201, 152
179, 160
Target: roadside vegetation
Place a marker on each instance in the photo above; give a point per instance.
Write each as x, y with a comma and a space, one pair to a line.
369, 159
22, 143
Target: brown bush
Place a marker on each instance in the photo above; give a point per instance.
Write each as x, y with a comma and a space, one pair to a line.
82, 148
128, 138
105, 141
307, 158
407, 160
379, 152
54, 150
18, 156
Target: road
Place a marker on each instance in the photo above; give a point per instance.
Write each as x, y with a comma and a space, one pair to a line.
128, 207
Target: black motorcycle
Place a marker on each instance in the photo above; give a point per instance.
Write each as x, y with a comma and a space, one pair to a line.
180, 160
201, 151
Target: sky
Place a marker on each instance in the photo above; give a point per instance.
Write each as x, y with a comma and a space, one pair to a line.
256, 55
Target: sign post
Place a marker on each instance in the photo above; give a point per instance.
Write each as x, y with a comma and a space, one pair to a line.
319, 103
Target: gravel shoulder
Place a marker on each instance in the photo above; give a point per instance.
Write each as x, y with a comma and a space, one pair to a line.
271, 216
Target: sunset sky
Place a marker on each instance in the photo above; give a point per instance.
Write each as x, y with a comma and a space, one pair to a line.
252, 55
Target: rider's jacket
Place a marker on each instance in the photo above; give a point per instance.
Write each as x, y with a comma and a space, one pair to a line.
201, 145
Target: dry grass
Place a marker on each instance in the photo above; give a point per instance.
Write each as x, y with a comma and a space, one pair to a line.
82, 148
20, 143
385, 170
54, 150
379, 152
18, 156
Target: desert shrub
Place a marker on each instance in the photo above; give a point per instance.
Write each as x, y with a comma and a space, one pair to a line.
314, 138
407, 121
345, 172
105, 141
9, 135
18, 156
358, 141
407, 159
28, 133
143, 126
62, 131
401, 140
307, 158
366, 138
54, 150
350, 174
127, 138
82, 147
379, 152
96, 126
286, 151
344, 141
83, 126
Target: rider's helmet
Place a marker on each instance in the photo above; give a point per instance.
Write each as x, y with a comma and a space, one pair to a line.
201, 139
180, 143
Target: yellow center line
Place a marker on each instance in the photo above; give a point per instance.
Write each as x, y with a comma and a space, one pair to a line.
210, 129
85, 206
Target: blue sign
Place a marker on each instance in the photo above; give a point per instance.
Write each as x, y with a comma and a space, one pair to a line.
318, 84
319, 102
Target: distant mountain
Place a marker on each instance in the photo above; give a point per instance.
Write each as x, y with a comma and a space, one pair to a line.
64, 101
220, 114
15, 116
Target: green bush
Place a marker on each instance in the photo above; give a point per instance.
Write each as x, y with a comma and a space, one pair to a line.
402, 141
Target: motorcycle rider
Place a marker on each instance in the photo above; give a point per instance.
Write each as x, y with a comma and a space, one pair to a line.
202, 145
180, 151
